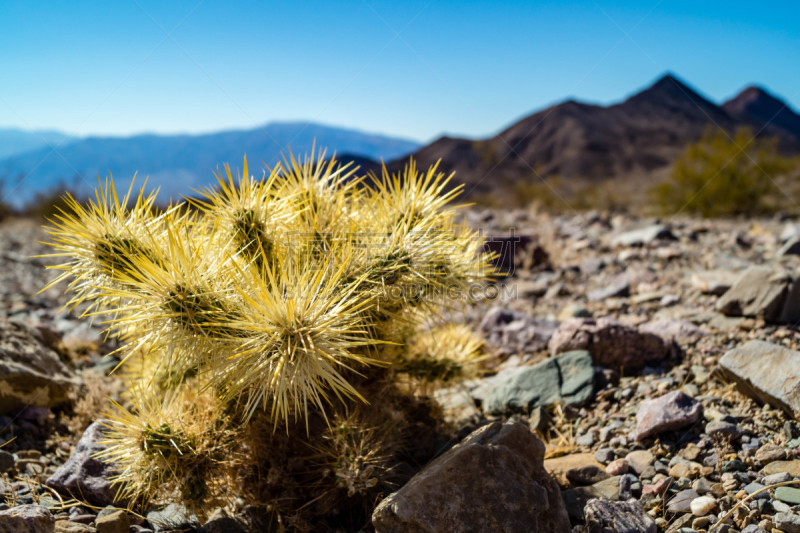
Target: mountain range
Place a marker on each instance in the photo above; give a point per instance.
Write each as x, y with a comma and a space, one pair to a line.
176, 163
635, 141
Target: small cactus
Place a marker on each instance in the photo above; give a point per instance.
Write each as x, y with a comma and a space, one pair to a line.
300, 300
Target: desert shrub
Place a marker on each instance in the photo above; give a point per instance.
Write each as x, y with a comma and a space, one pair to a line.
279, 338
722, 175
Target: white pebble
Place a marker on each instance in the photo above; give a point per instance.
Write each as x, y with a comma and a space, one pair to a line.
703, 505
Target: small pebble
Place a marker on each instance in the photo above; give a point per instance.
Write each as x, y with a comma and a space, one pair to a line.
703, 505
617, 467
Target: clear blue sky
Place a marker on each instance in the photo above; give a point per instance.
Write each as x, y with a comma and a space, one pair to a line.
410, 68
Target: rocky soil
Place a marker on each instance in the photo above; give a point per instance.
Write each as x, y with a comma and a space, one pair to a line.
658, 362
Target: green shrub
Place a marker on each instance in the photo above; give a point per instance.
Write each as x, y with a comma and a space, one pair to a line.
724, 176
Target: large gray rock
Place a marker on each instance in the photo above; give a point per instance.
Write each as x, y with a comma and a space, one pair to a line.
494, 480
767, 372
31, 374
603, 516
567, 378
27, 519
611, 343
769, 292
83, 476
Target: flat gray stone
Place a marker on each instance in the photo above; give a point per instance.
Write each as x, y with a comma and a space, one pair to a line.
567, 378
767, 372
764, 291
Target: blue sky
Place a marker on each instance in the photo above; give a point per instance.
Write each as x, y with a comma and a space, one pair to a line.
413, 69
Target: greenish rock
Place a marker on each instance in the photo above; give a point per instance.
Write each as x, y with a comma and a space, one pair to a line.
788, 495
734, 466
567, 378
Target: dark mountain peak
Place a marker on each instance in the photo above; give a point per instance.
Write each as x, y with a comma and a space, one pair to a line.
766, 111
668, 88
751, 98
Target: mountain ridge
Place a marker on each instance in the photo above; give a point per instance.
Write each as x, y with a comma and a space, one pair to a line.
636, 139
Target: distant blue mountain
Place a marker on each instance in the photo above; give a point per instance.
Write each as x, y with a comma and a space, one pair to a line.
15, 141
177, 163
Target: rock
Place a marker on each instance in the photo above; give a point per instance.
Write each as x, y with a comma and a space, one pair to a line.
720, 429
674, 330
494, 480
674, 410
116, 522
223, 524
515, 251
659, 487
27, 519
774, 479
788, 495
615, 290
617, 467
702, 505
778, 467
573, 310
568, 378
6, 461
603, 516
173, 516
31, 374
682, 501
67, 526
639, 460
611, 343
577, 469
84, 476
457, 404
767, 372
513, 333
790, 231
604, 455
714, 281
792, 247
787, 522
770, 452
576, 499
643, 236
763, 291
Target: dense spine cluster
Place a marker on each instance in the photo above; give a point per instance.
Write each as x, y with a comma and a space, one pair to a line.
302, 305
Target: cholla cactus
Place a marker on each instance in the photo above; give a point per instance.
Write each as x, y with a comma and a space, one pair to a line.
289, 299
